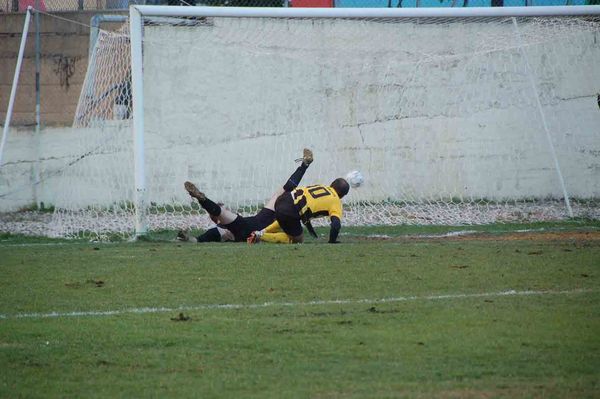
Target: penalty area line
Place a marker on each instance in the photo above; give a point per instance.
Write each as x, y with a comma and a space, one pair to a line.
144, 310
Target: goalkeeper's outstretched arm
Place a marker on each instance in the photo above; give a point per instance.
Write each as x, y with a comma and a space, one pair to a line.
336, 226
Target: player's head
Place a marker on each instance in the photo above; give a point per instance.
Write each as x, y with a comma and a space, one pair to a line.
340, 186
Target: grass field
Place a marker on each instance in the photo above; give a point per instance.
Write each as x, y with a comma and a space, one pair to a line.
392, 312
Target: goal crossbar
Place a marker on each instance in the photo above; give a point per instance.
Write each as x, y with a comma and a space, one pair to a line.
442, 12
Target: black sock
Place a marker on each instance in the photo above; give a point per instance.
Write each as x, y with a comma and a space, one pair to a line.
295, 178
210, 235
210, 207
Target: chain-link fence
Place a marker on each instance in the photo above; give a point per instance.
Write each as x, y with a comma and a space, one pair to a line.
64, 5
11, 6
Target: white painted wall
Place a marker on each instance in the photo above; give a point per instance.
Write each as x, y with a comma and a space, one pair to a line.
424, 111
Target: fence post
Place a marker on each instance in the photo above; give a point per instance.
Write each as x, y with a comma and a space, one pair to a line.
13, 89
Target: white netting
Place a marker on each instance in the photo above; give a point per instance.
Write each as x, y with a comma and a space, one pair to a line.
447, 119
106, 91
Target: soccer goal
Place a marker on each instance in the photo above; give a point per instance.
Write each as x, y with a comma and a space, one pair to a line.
453, 116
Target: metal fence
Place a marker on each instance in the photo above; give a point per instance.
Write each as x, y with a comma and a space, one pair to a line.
13, 6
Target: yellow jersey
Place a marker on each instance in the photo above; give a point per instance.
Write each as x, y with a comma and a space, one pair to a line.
317, 201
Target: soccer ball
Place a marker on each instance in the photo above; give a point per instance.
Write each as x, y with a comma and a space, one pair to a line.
355, 178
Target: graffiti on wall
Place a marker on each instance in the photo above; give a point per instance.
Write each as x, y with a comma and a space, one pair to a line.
64, 68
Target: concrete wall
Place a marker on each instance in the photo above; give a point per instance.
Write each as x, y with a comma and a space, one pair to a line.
457, 118
425, 111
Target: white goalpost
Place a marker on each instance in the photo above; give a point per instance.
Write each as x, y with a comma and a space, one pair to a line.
453, 116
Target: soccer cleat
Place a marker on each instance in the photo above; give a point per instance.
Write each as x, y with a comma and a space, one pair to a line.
182, 236
193, 191
307, 157
253, 238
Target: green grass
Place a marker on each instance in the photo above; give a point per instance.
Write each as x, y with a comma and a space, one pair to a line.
287, 346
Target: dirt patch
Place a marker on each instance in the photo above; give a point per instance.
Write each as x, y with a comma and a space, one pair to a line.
181, 317
543, 236
579, 236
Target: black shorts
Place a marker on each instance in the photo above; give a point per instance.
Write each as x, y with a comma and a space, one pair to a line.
287, 215
241, 227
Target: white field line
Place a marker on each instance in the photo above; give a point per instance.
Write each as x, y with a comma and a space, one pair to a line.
449, 234
386, 236
144, 310
463, 233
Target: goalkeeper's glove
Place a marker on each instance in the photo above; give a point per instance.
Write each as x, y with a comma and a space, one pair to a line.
336, 226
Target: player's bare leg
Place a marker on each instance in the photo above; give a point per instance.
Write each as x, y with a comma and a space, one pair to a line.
217, 213
270, 204
226, 216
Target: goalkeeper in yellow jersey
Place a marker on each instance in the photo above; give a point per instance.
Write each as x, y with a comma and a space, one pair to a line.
233, 227
300, 206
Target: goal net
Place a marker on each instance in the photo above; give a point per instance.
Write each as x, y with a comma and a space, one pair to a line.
451, 118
